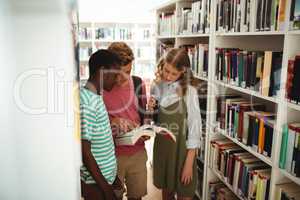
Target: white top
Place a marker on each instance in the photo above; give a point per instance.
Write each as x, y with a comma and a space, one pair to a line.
166, 94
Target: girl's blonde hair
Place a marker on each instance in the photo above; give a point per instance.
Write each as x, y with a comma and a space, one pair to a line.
179, 59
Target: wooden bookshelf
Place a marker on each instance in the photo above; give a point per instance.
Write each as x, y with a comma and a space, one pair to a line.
284, 40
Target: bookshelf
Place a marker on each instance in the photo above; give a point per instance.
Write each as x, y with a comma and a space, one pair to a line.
282, 39
219, 176
139, 36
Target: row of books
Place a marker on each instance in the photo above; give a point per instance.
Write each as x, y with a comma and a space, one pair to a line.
163, 48
166, 24
287, 191
247, 122
295, 15
218, 190
248, 176
83, 71
290, 149
256, 70
293, 80
198, 55
85, 33
195, 19
113, 33
85, 53
250, 15
145, 52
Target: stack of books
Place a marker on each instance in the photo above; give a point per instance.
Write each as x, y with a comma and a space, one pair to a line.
290, 149
256, 70
248, 176
247, 122
195, 19
250, 16
85, 33
293, 80
166, 24
198, 55
113, 33
163, 48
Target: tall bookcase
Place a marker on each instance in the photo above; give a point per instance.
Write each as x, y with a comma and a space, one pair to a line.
284, 40
99, 35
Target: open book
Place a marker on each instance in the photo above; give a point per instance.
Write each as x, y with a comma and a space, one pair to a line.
133, 136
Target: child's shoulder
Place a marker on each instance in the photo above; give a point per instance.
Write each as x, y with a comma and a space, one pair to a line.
88, 98
192, 90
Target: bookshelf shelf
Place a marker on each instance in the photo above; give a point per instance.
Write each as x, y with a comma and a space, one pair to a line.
291, 177
247, 148
110, 41
283, 40
85, 41
296, 32
293, 106
166, 37
246, 91
170, 5
201, 77
228, 185
261, 33
192, 35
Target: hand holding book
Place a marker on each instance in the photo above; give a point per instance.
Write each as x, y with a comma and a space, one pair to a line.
146, 130
123, 125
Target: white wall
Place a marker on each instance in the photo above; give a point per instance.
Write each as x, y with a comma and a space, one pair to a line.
118, 10
39, 151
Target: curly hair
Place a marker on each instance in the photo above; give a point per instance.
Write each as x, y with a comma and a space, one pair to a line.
179, 59
123, 51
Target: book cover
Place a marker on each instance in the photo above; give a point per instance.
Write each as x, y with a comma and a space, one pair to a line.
289, 81
283, 149
290, 150
267, 73
296, 23
295, 95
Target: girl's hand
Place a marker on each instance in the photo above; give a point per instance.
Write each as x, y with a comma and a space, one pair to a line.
151, 103
187, 173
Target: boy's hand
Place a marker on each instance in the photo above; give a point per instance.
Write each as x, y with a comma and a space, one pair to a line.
124, 124
109, 193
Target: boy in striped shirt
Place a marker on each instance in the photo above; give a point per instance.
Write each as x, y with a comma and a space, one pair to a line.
99, 169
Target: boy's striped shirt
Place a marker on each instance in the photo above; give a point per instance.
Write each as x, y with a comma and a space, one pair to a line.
95, 127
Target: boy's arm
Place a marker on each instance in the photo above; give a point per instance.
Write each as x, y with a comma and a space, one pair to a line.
91, 165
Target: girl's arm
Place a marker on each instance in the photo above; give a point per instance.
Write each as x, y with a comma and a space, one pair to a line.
187, 171
194, 134
193, 119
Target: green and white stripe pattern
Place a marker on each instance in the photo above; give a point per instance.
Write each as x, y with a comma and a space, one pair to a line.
95, 127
